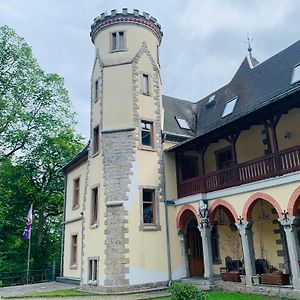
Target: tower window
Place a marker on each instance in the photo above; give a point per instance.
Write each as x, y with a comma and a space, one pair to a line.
76, 193
117, 41
145, 84
148, 206
96, 90
96, 140
74, 250
94, 215
147, 133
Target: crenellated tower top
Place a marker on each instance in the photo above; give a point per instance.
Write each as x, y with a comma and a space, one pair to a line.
105, 20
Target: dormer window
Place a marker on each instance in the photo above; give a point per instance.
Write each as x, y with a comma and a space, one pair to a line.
117, 41
296, 74
183, 123
229, 107
211, 98
211, 101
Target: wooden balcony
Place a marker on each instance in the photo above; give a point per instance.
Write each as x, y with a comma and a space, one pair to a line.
273, 165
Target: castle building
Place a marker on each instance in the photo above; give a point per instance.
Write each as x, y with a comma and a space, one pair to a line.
168, 189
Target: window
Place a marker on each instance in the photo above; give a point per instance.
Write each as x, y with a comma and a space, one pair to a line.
224, 158
229, 107
189, 167
96, 90
296, 74
76, 192
147, 133
96, 140
93, 270
74, 250
148, 206
183, 123
157, 53
145, 84
94, 213
211, 98
118, 41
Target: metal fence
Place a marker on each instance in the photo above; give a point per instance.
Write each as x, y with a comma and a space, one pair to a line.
19, 277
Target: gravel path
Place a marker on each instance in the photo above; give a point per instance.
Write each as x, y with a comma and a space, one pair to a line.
33, 288
55, 286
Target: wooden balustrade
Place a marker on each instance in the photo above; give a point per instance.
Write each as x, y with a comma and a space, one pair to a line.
283, 162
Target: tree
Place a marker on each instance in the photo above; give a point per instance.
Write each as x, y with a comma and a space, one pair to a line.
37, 138
32, 104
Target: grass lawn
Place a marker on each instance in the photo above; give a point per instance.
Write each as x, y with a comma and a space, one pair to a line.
233, 296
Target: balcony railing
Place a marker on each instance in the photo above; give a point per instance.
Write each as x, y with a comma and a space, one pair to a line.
273, 165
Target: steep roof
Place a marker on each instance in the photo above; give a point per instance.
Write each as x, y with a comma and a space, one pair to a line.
183, 109
255, 85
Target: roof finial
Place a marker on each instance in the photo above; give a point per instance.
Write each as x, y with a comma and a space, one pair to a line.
249, 44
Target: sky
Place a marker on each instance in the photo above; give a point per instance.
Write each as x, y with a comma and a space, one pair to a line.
203, 45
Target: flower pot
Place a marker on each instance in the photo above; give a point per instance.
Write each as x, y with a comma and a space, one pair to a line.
275, 279
231, 276
256, 279
243, 278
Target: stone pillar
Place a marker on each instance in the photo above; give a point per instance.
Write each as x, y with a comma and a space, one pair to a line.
205, 230
246, 234
289, 225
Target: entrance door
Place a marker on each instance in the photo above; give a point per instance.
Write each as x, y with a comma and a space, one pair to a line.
194, 250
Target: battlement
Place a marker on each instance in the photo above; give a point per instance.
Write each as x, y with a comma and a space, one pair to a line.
115, 17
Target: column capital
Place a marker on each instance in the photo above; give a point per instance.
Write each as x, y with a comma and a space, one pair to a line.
244, 226
287, 221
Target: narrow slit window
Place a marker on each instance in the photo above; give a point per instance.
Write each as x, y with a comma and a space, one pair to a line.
229, 107
96, 140
95, 196
145, 84
96, 90
74, 250
121, 40
76, 192
114, 41
296, 74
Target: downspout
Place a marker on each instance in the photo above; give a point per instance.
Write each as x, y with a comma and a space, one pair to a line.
167, 225
62, 248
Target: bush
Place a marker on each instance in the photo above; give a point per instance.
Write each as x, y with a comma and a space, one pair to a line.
186, 291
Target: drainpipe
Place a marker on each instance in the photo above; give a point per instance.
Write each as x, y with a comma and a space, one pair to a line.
63, 229
167, 224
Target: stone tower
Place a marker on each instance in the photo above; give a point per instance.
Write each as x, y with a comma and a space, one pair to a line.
124, 180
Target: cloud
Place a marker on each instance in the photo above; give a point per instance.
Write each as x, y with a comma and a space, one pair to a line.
203, 18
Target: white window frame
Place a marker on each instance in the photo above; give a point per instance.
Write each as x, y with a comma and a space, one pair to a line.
93, 281
296, 74
183, 123
229, 107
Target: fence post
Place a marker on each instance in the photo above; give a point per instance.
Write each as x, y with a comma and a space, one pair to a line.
53, 271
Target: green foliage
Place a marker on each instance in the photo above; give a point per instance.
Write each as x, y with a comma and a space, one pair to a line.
33, 104
37, 139
186, 291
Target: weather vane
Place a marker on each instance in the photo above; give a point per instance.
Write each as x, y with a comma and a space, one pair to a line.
249, 40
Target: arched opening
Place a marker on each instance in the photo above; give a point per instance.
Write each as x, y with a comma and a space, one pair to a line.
268, 237
194, 249
227, 249
187, 222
